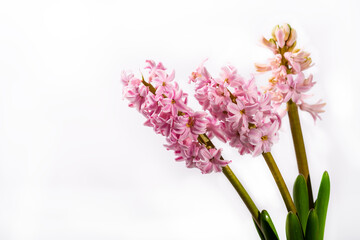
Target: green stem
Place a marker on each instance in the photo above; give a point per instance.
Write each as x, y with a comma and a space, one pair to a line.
280, 182
299, 146
242, 193
235, 182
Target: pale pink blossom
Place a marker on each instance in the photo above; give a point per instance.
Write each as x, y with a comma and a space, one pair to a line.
162, 122
299, 61
202, 95
211, 160
135, 93
289, 90
218, 95
294, 89
153, 68
126, 78
313, 109
173, 102
247, 90
265, 105
304, 84
240, 113
162, 82
271, 45
261, 67
280, 73
215, 128
191, 154
228, 77
200, 72
190, 125
263, 138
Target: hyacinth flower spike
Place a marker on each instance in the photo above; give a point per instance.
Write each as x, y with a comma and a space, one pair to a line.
290, 87
187, 132
245, 116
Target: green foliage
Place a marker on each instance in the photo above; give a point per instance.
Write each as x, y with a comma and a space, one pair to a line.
311, 222
307, 224
261, 235
267, 226
301, 200
322, 202
312, 229
267, 231
293, 227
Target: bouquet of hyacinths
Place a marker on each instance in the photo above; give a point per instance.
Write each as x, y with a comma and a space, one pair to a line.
237, 112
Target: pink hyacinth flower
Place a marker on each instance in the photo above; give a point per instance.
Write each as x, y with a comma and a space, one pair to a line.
269, 45
162, 82
263, 138
173, 103
313, 109
215, 128
153, 68
304, 84
229, 77
211, 160
190, 126
299, 61
240, 114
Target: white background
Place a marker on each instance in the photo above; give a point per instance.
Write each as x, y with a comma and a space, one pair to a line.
77, 163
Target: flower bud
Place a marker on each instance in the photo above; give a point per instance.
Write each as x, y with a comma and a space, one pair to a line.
274, 30
281, 34
292, 38
270, 44
287, 29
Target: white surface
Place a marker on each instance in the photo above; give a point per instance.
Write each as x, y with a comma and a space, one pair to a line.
77, 163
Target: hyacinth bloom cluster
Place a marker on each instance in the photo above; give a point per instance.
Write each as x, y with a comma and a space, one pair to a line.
237, 112
288, 81
246, 116
165, 107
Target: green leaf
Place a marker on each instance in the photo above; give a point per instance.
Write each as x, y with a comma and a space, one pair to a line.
301, 200
293, 227
259, 231
312, 229
322, 202
267, 226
